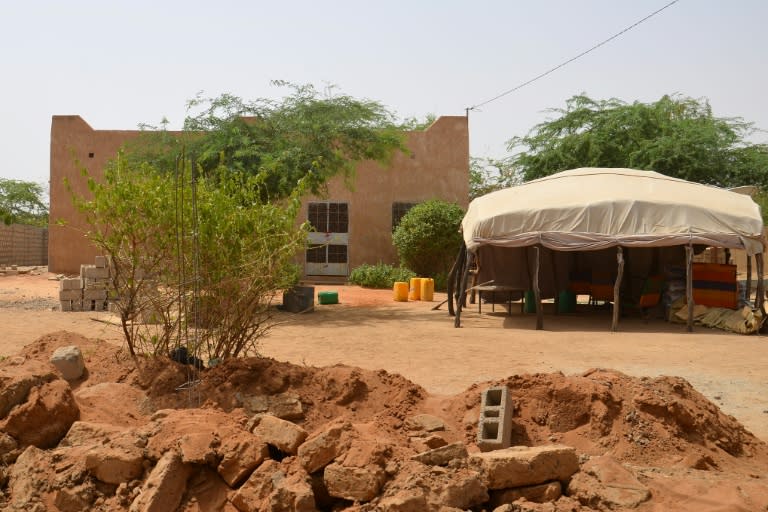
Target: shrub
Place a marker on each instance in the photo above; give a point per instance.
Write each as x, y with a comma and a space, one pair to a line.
380, 275
428, 238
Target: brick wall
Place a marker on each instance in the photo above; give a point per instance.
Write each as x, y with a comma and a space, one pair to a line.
23, 245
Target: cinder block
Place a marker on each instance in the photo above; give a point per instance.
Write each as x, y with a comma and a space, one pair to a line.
101, 261
83, 268
70, 294
74, 283
495, 427
97, 284
94, 294
77, 305
66, 305
93, 272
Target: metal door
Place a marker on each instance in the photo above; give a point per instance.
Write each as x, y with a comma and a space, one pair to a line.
327, 252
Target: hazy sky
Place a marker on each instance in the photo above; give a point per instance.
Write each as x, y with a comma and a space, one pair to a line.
118, 64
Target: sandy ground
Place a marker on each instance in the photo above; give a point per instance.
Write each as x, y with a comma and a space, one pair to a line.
368, 329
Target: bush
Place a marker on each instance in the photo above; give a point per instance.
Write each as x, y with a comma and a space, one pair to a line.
380, 275
428, 238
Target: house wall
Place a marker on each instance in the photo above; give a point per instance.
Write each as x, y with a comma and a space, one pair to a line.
436, 167
75, 146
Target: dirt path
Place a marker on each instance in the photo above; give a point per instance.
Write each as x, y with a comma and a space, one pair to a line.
369, 330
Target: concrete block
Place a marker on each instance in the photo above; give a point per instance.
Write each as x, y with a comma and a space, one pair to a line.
74, 283
69, 361
93, 272
70, 294
66, 305
83, 268
96, 284
495, 428
77, 305
101, 261
94, 294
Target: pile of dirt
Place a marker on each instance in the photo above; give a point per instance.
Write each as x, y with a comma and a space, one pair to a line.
259, 434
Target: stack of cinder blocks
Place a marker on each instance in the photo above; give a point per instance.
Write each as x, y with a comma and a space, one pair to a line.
495, 429
89, 291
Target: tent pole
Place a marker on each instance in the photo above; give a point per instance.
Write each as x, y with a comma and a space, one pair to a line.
689, 284
748, 295
462, 290
760, 299
536, 291
451, 282
617, 288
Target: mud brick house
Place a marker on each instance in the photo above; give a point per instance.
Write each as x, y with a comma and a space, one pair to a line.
352, 226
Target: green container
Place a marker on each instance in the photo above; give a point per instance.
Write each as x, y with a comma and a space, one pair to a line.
530, 302
329, 297
566, 302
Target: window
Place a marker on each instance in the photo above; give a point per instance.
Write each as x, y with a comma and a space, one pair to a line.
398, 210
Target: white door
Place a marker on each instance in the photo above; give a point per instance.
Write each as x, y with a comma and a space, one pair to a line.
327, 252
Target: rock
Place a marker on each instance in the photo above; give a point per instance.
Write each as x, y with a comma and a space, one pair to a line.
404, 501
45, 417
425, 422
521, 466
240, 455
319, 450
17, 381
462, 489
270, 489
25, 480
9, 449
164, 488
430, 442
114, 465
283, 435
443, 455
69, 362
86, 433
285, 406
74, 499
604, 480
353, 483
258, 486
199, 447
541, 493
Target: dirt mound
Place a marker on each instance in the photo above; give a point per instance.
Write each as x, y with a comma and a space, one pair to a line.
258, 434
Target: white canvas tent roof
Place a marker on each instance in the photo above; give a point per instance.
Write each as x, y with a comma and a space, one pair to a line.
596, 208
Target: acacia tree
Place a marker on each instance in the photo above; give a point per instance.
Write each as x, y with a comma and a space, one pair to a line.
676, 135
22, 202
305, 135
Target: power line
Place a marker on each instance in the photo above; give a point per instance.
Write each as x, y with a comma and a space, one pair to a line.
552, 70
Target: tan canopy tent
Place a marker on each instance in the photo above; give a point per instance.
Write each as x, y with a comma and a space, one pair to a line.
589, 210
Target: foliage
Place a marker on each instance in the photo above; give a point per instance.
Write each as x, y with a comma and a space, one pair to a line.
428, 237
677, 136
22, 202
209, 267
487, 175
304, 136
380, 275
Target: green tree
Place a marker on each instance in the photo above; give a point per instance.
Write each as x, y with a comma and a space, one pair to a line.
305, 135
22, 202
677, 136
428, 238
487, 175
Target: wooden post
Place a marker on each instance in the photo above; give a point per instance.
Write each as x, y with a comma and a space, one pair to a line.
536, 291
689, 284
463, 290
452, 284
617, 288
748, 294
760, 299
